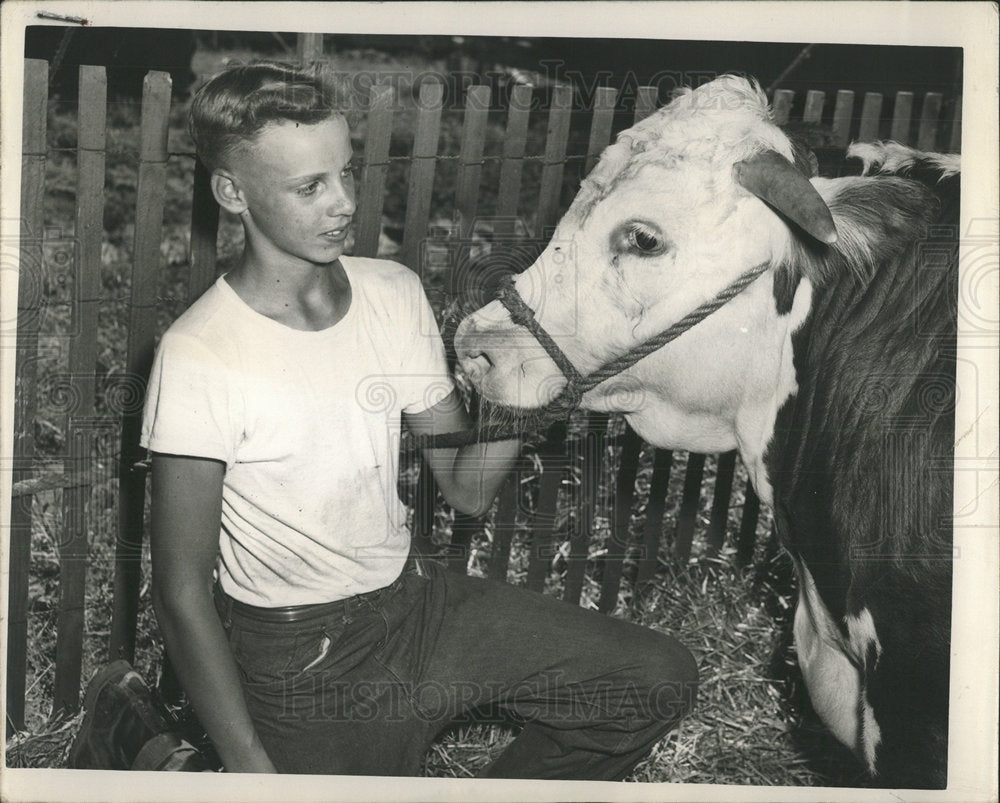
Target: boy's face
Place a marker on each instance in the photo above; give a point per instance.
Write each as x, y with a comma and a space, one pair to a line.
295, 187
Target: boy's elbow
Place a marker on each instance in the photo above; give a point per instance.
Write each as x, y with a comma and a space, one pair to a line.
172, 605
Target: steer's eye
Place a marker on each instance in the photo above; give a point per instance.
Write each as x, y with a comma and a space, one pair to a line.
641, 239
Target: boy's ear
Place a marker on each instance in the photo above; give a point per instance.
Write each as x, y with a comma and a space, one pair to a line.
227, 192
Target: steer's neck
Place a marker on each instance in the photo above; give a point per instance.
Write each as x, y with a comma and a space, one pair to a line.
769, 386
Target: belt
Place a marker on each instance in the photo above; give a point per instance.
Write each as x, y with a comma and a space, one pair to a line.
302, 613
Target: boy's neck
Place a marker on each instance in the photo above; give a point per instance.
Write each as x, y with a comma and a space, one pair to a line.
304, 296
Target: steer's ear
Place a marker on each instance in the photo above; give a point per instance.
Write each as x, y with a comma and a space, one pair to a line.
779, 183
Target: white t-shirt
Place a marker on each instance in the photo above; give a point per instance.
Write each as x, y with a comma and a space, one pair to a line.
308, 425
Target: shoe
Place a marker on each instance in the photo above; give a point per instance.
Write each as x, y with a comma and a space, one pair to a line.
122, 728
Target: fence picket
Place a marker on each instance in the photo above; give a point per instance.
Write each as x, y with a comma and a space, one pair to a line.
463, 528
688, 514
618, 542
504, 524
871, 113
930, 113
423, 165
375, 167
591, 447
600, 124
663, 460
150, 194
554, 162
901, 112
310, 48
512, 164
29, 298
842, 117
204, 233
813, 112
73, 547
553, 458
645, 103
470, 160
782, 105
715, 536
955, 140
424, 498
748, 526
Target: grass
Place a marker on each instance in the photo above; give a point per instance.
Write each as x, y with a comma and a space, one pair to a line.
753, 723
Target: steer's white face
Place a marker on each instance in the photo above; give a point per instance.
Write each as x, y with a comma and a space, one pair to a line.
658, 228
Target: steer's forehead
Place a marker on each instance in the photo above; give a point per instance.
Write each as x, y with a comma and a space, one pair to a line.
705, 129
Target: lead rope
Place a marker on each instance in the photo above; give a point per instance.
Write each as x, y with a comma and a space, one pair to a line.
570, 396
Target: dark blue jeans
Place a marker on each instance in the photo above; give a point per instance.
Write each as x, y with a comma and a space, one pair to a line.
364, 690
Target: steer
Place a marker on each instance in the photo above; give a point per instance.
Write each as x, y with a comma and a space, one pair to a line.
822, 347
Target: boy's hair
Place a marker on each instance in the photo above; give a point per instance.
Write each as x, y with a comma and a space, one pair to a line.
235, 105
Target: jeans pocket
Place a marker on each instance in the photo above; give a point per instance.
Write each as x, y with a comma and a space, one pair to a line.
278, 659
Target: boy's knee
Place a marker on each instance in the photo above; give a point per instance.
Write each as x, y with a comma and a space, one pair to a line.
671, 675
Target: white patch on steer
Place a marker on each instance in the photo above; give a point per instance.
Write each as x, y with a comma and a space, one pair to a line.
755, 418
833, 668
891, 157
861, 631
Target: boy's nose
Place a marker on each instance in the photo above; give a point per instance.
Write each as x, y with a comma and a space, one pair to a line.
342, 204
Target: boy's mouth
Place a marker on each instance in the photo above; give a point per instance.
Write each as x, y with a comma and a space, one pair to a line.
336, 234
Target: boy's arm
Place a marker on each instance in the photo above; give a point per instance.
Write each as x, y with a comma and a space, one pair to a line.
186, 512
469, 477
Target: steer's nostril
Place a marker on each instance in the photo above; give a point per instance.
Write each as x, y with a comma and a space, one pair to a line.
475, 364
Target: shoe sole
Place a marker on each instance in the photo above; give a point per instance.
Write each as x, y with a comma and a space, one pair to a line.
120, 669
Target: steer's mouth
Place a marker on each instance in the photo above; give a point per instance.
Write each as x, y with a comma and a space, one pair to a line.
506, 366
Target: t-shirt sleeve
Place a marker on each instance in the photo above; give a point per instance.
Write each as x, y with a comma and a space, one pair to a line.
426, 379
191, 402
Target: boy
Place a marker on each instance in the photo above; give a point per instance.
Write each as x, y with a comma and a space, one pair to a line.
274, 407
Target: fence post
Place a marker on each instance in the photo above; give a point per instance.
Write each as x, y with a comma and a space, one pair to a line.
512, 163
955, 140
591, 446
748, 526
653, 530
901, 112
29, 299
553, 458
423, 165
725, 468
871, 113
150, 194
204, 233
91, 136
645, 103
628, 468
470, 164
929, 114
688, 514
554, 162
843, 111
813, 112
310, 48
782, 106
600, 125
376, 164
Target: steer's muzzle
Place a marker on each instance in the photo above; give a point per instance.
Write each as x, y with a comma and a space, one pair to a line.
504, 362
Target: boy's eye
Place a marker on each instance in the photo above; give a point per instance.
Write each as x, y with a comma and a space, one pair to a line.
308, 189
349, 170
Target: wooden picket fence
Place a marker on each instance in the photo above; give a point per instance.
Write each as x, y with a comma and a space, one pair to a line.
572, 464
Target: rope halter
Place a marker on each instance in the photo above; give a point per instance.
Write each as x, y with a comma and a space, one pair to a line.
569, 398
